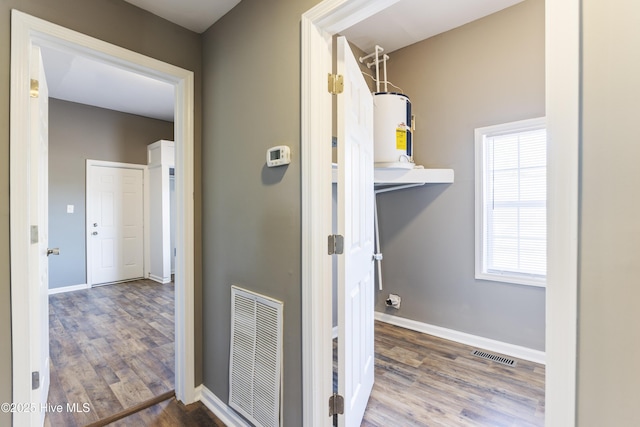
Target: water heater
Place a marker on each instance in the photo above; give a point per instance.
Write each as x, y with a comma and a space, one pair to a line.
392, 132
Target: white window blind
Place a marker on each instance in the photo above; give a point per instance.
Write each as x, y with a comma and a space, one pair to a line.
511, 202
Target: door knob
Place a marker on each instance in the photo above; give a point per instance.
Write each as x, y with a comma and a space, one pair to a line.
95, 233
54, 251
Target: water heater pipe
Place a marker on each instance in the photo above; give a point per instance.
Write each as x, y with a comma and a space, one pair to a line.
384, 64
378, 50
378, 255
378, 69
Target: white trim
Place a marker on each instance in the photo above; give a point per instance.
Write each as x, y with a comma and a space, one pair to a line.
481, 228
220, 409
89, 163
19, 217
562, 59
147, 228
317, 26
108, 164
334, 332
159, 279
563, 99
26, 31
511, 127
184, 277
501, 347
316, 226
72, 288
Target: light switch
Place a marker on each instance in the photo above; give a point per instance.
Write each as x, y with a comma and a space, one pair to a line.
70, 208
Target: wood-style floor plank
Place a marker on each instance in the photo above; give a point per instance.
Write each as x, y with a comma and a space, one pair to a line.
171, 414
422, 380
111, 347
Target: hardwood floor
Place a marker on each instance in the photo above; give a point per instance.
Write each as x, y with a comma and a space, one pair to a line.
171, 413
422, 380
111, 348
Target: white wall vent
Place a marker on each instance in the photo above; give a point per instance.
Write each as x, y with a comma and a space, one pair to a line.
255, 365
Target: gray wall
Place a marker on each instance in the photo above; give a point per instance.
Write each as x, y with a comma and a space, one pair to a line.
251, 212
609, 317
487, 72
122, 24
77, 133
608, 374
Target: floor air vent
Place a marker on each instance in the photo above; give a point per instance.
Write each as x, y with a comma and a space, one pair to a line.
255, 365
494, 357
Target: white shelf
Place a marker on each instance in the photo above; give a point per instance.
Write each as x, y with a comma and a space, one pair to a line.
392, 177
387, 176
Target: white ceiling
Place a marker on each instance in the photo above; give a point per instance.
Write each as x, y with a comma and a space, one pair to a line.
411, 21
86, 81
196, 15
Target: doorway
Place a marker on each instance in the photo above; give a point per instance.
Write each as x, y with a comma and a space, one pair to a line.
28, 31
562, 108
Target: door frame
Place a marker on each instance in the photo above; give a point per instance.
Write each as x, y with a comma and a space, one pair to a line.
562, 69
145, 213
26, 31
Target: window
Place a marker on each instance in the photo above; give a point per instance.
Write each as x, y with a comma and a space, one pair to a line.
511, 202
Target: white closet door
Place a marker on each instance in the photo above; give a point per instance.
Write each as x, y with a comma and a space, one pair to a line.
355, 223
115, 224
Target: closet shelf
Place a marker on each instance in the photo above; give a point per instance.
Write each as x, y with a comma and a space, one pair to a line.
389, 177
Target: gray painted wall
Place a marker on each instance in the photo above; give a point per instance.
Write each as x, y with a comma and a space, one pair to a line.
487, 72
77, 133
608, 336
252, 213
608, 380
124, 25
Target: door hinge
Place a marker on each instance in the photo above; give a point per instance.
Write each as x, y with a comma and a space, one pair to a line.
335, 244
35, 380
336, 84
35, 88
336, 405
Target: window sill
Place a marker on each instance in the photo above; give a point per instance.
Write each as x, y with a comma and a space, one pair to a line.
514, 280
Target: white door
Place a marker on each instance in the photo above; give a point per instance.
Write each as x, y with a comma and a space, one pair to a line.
355, 223
115, 224
39, 279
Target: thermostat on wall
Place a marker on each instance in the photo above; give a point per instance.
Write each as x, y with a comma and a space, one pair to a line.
278, 156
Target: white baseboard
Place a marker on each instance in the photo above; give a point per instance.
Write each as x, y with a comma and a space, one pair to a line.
68, 289
512, 350
159, 279
220, 409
